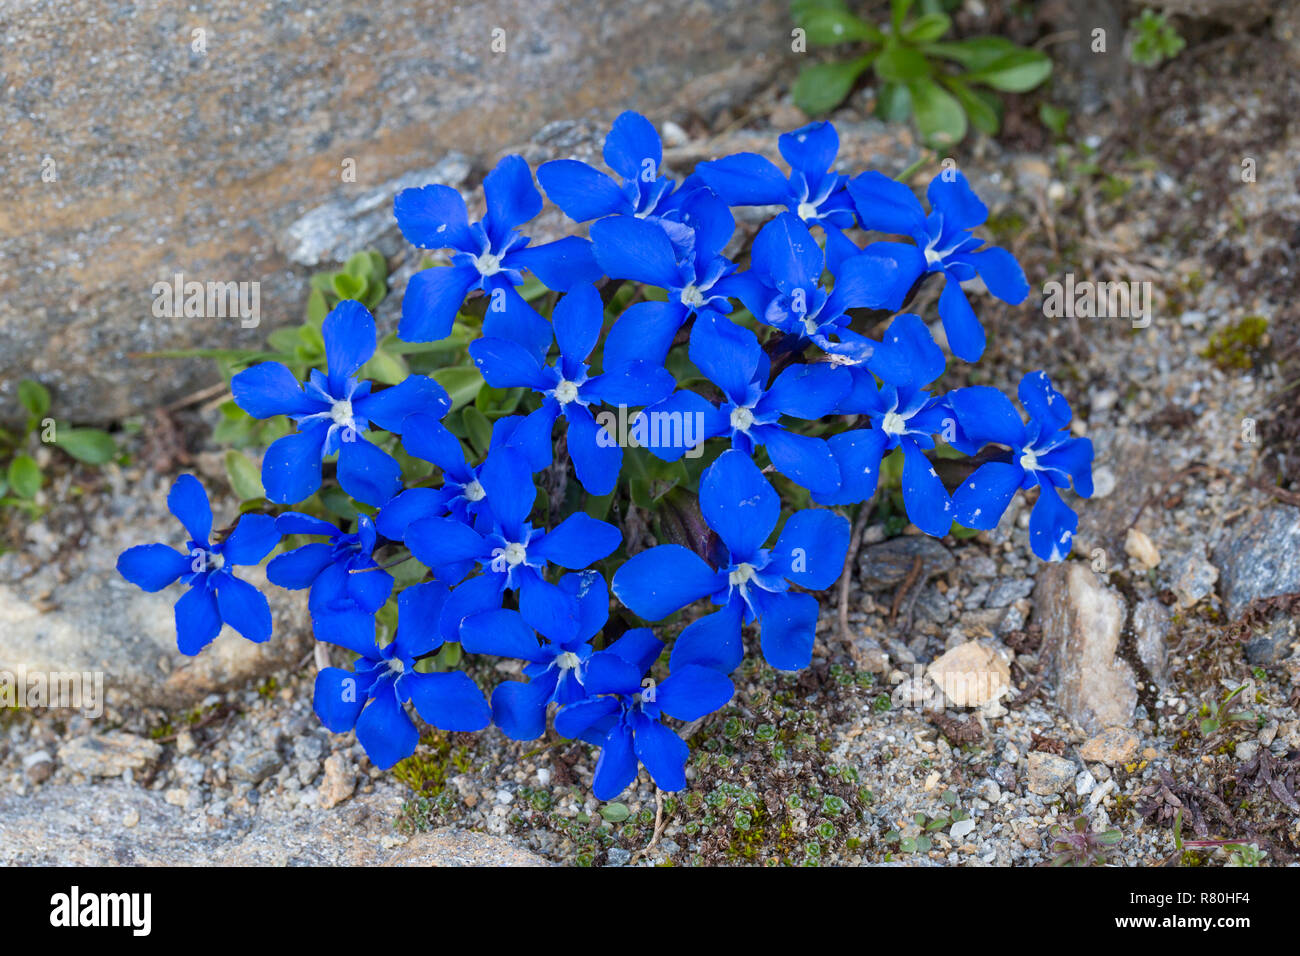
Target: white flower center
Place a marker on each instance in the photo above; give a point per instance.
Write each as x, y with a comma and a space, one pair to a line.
692, 296
741, 418
396, 667
514, 554
740, 576
341, 412
487, 264
566, 392
474, 491
807, 211
894, 424
567, 661
809, 325
1029, 460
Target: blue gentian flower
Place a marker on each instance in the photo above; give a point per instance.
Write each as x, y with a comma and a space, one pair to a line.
682, 256
633, 150
903, 415
944, 244
751, 582
556, 667
491, 255
783, 289
512, 554
624, 714
215, 595
731, 357
811, 191
333, 413
461, 495
571, 390
385, 678
343, 576
1043, 453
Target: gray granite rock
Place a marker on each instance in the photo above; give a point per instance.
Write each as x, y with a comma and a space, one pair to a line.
1260, 558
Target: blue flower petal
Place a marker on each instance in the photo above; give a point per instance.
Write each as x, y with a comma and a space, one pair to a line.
804, 459
663, 753
510, 196
635, 384
712, 641
577, 541
429, 439
692, 691
437, 542
578, 319
390, 407
291, 466
727, 353
367, 472
581, 192
616, 768
508, 364
189, 503
474, 596
746, 179
337, 699
609, 674
986, 415
151, 567
788, 629
950, 194
679, 424
924, 496
645, 331
252, 540
811, 549
268, 389
873, 279
811, 148
597, 457
858, 453
664, 579
965, 334
886, 205
349, 333
631, 248
739, 503
561, 265
198, 621
548, 609
299, 568
632, 148
591, 594
1001, 273
433, 297
979, 501
384, 730
411, 505
519, 708
806, 391
351, 628
1052, 525
449, 700
787, 253
244, 608
508, 483
574, 721
501, 633
295, 522
509, 316
369, 588
433, 217
1045, 405
908, 355
1074, 457
639, 647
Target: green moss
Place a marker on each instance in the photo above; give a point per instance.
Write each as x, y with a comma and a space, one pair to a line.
1238, 346
426, 772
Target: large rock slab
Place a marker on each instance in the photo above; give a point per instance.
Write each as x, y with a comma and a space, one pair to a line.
121, 825
1084, 619
1260, 558
188, 139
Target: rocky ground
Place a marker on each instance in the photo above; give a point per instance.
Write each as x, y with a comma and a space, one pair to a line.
1107, 682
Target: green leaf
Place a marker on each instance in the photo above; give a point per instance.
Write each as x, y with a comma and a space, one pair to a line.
927, 28
939, 116
90, 445
348, 286
244, 477
25, 478
828, 27
478, 428
893, 103
897, 13
1055, 118
975, 53
317, 308
384, 367
982, 109
822, 87
615, 812
1016, 72
35, 397
902, 64
462, 383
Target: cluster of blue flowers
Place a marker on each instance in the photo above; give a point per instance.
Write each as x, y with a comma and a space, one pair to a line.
499, 583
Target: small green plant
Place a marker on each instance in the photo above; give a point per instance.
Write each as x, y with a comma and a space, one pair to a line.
1240, 345
1078, 845
920, 74
1221, 715
1154, 39
21, 477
